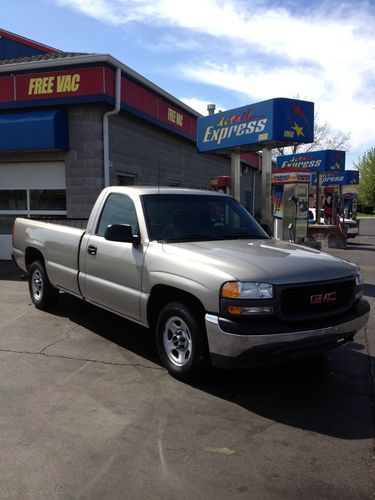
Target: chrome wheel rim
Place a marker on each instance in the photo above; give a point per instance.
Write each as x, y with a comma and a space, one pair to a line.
37, 285
177, 341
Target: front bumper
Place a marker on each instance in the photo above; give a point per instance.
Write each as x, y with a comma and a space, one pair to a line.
234, 344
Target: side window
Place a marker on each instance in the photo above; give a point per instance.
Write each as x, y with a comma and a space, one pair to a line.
118, 209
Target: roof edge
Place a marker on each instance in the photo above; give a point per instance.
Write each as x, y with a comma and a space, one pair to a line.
95, 58
30, 43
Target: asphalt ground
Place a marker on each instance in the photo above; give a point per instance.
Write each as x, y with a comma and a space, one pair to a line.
87, 411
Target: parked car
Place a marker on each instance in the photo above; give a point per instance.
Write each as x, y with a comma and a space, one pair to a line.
199, 271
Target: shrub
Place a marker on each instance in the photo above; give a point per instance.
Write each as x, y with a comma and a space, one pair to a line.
367, 209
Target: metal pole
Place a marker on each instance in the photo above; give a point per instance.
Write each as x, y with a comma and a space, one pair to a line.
266, 186
235, 161
317, 195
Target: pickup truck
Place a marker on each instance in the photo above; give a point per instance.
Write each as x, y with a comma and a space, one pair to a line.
198, 270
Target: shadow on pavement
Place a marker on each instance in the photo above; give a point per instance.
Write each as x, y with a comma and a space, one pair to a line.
329, 394
122, 332
9, 271
359, 244
369, 290
360, 247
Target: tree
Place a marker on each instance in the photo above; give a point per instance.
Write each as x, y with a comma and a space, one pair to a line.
324, 138
366, 167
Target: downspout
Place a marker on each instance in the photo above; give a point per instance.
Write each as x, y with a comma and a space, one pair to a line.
114, 111
255, 172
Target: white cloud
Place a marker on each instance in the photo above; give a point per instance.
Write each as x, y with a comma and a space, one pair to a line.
324, 53
200, 105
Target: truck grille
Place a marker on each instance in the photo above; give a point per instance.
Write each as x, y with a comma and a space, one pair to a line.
317, 299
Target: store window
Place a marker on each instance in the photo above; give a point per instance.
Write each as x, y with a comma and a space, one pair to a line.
29, 200
126, 179
47, 199
13, 199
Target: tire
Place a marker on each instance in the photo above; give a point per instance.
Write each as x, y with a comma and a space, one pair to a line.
181, 341
42, 293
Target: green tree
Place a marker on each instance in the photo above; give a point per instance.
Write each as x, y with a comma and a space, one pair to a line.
366, 167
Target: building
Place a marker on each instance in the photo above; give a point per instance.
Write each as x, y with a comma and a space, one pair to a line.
72, 123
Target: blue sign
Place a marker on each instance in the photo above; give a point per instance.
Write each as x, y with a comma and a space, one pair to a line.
337, 178
316, 161
272, 123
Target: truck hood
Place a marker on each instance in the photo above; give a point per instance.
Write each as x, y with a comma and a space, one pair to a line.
270, 261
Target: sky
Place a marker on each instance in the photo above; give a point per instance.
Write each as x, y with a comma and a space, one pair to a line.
229, 52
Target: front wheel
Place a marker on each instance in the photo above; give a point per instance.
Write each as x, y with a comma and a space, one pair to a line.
181, 341
42, 293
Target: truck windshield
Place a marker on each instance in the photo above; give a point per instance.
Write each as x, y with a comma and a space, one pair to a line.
186, 217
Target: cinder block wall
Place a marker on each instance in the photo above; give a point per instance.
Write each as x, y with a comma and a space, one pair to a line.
155, 155
84, 164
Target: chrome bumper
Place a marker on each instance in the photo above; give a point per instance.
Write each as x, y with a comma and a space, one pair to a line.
229, 349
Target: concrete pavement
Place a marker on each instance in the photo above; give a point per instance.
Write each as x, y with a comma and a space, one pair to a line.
87, 411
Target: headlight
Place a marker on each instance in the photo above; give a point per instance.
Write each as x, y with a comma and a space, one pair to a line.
359, 278
245, 290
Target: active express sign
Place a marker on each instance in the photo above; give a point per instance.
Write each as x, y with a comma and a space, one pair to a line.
337, 178
317, 161
269, 123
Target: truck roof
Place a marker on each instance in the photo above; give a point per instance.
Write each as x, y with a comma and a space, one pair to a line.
140, 190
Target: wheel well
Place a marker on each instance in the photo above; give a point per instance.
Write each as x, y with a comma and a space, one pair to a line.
161, 295
31, 255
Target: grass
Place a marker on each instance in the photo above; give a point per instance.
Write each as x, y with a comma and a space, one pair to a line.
361, 214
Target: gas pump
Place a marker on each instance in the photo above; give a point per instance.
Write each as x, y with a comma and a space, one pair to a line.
330, 202
334, 209
350, 204
221, 184
290, 193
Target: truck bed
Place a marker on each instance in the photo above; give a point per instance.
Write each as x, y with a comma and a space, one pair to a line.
57, 243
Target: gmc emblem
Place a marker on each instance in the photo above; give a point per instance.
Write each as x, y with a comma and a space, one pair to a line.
323, 298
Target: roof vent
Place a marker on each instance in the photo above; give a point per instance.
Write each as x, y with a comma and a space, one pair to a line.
211, 108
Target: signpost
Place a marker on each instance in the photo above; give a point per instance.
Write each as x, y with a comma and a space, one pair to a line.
260, 126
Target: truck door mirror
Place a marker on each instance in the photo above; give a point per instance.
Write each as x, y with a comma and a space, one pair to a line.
121, 232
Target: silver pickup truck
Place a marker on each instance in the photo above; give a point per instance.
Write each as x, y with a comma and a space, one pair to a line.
198, 270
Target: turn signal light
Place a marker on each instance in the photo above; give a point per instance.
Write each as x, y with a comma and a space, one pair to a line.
231, 290
250, 310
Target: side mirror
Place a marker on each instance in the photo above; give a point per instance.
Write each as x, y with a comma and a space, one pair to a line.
122, 233
267, 228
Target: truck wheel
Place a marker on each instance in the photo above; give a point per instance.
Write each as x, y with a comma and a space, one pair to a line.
181, 341
42, 293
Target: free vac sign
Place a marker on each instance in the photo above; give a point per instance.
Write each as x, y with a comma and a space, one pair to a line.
272, 123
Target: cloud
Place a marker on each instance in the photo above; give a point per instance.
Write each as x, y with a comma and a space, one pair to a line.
322, 51
200, 105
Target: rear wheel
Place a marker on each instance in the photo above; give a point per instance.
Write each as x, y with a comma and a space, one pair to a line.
42, 293
181, 341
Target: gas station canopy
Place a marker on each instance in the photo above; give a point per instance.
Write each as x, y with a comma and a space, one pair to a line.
267, 124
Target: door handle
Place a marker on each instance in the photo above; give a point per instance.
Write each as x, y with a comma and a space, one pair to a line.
91, 249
